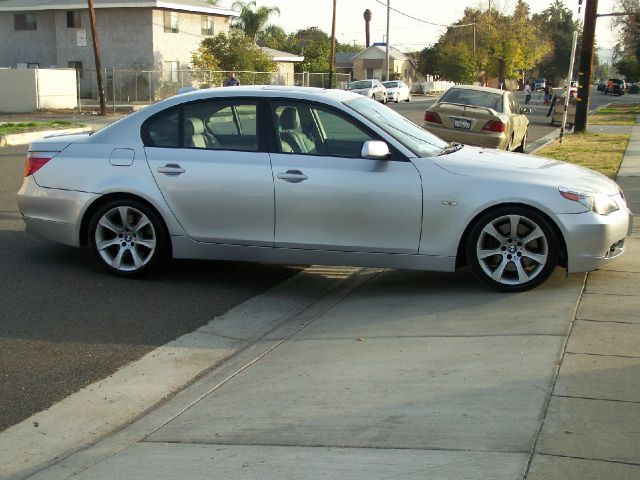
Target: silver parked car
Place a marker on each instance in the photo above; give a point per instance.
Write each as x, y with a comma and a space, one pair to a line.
312, 176
397, 90
370, 88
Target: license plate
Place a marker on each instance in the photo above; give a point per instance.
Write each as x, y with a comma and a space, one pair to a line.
460, 123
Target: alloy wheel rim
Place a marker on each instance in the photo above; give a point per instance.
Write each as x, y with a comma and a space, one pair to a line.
125, 238
512, 250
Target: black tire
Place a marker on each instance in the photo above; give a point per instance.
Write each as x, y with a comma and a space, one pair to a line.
510, 264
408, 98
127, 238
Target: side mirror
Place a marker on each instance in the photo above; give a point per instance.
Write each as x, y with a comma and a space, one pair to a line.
375, 150
525, 110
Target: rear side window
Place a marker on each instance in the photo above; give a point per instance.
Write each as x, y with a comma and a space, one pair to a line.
164, 129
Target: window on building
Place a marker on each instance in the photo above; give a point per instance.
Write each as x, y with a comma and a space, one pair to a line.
171, 71
77, 66
207, 25
171, 22
73, 19
25, 21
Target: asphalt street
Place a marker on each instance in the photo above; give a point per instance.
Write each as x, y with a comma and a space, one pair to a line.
65, 324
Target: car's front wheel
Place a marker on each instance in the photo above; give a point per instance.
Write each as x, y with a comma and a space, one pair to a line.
512, 248
127, 238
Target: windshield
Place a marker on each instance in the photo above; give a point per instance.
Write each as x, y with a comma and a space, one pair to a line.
415, 138
390, 84
360, 84
477, 98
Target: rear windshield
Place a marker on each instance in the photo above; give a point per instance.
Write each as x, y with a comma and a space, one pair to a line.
474, 97
390, 84
360, 84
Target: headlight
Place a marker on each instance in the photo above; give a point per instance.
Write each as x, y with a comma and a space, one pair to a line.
596, 202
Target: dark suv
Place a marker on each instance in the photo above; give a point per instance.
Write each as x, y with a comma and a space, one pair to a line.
615, 86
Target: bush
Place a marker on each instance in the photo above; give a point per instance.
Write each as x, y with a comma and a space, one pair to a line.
635, 88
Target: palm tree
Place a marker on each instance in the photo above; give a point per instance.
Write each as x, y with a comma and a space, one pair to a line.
250, 21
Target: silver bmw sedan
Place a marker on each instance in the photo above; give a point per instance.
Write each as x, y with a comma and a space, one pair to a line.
312, 176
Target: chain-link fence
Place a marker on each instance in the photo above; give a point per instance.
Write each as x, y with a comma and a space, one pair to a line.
140, 87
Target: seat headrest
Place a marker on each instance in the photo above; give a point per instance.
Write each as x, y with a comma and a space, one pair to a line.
289, 119
193, 126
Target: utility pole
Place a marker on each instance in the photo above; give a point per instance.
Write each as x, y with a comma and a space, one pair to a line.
386, 76
586, 59
96, 53
332, 60
569, 78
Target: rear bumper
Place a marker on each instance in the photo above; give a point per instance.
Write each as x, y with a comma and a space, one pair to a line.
53, 214
595, 240
478, 139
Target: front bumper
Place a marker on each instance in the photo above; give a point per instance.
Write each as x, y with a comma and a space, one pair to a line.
595, 240
51, 213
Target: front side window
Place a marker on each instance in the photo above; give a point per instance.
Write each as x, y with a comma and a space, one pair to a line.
313, 130
73, 19
207, 25
25, 21
171, 22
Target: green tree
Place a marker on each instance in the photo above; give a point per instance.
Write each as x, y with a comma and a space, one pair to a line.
229, 52
557, 25
251, 21
315, 46
629, 68
275, 37
429, 62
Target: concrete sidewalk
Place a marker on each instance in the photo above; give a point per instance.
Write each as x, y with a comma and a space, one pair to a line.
377, 375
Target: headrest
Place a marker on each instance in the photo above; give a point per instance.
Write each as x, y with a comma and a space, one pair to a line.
289, 119
193, 126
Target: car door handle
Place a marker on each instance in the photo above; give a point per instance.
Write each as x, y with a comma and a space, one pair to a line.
171, 169
292, 176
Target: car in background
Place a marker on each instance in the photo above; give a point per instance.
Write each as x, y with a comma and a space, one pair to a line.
369, 88
296, 175
481, 116
602, 86
615, 86
397, 90
539, 84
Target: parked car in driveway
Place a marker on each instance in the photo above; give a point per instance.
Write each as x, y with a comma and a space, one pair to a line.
370, 88
312, 176
397, 90
481, 116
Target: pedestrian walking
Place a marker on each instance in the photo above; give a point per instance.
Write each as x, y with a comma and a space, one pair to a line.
548, 93
232, 81
527, 94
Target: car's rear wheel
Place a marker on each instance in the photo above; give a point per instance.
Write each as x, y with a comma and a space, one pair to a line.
512, 248
127, 238
408, 98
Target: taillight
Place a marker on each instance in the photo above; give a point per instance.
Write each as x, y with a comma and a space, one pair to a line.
494, 126
432, 117
37, 160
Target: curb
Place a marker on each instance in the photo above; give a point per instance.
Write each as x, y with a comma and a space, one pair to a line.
25, 138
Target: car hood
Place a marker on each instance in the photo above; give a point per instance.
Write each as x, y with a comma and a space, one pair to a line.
517, 167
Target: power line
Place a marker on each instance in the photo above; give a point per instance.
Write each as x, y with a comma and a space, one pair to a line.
421, 20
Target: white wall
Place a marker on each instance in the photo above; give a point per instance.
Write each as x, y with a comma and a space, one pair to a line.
27, 90
57, 88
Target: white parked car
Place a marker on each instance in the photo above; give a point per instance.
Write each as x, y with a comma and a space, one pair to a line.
311, 176
397, 90
370, 88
